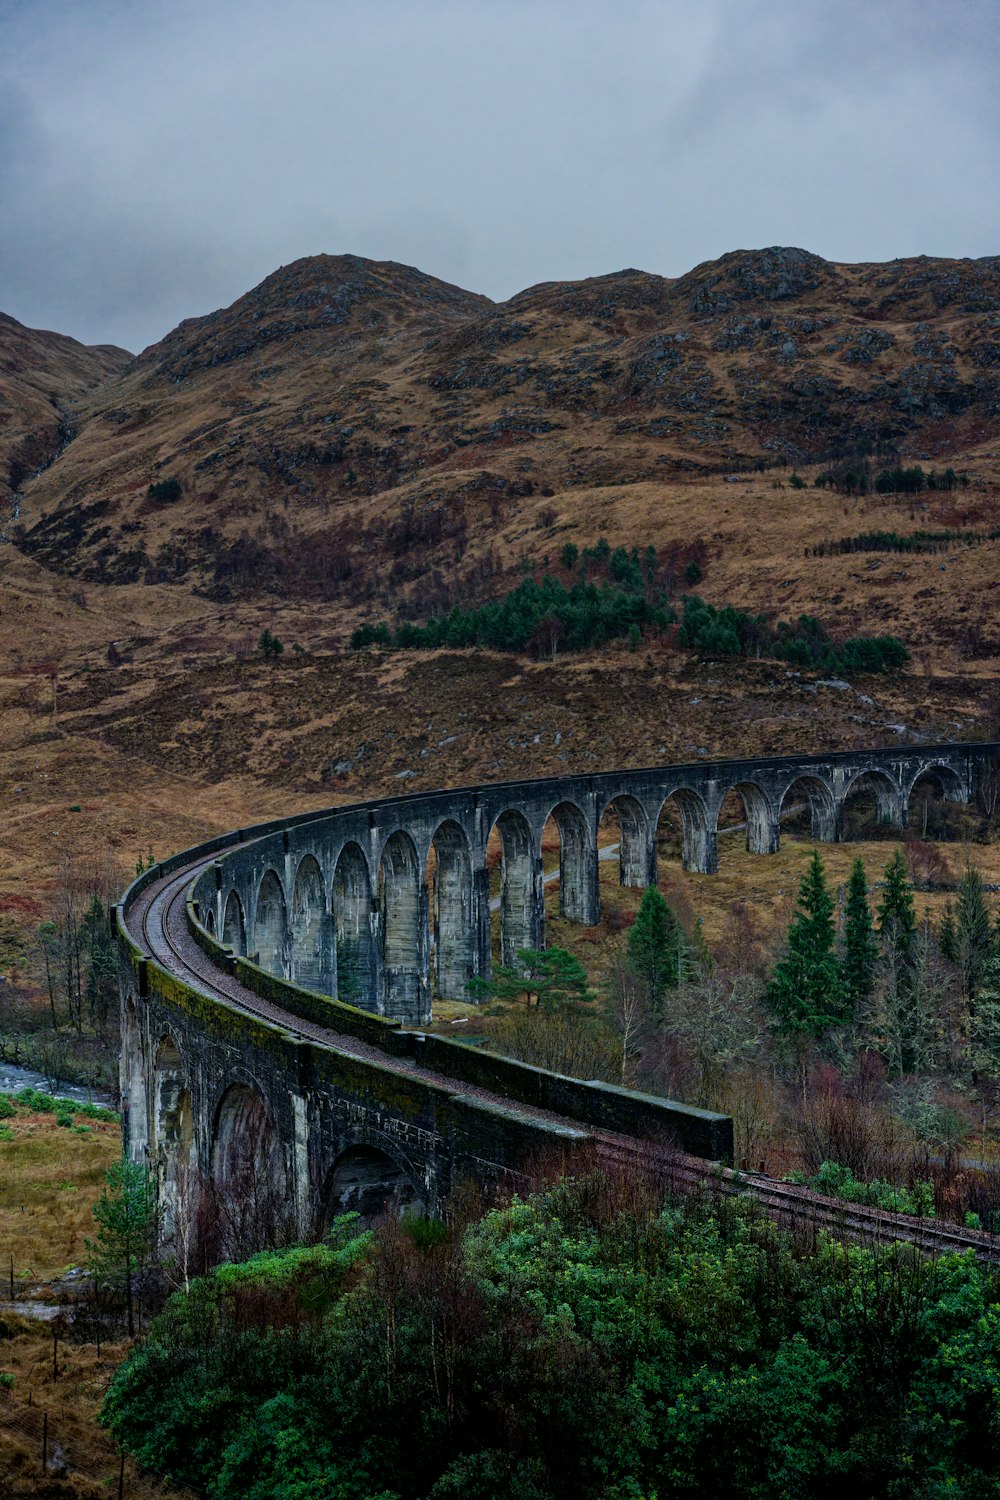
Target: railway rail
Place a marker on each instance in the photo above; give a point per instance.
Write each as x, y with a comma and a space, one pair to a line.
157, 921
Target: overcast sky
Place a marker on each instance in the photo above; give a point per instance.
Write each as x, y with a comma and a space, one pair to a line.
160, 157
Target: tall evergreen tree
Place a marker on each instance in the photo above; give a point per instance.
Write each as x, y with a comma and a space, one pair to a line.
127, 1215
806, 992
860, 943
947, 934
896, 913
975, 940
656, 950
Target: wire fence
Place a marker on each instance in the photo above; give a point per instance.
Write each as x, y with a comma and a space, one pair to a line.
38, 1432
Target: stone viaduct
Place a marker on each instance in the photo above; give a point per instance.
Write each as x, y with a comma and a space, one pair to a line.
274, 981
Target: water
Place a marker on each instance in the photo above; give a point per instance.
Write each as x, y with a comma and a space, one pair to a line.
12, 1079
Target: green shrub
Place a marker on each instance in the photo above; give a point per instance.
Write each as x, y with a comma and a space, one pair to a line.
165, 491
8, 1109
6, 1134
65, 1120
34, 1099
6, 1380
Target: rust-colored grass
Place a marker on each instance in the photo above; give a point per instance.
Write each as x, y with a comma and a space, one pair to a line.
50, 1178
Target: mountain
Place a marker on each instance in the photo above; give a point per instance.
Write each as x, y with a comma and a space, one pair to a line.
42, 375
342, 395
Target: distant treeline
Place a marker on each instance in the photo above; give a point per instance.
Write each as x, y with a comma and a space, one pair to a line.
892, 541
541, 618
856, 477
803, 642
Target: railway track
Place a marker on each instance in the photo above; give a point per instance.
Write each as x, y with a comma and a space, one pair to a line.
157, 921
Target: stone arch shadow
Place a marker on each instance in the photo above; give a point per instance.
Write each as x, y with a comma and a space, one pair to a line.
372, 1178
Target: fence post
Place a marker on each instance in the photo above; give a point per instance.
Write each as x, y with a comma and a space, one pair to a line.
45, 1442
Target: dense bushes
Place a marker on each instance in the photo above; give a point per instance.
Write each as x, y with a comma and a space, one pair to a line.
805, 643
578, 1346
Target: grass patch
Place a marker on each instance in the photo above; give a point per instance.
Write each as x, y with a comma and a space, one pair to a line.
50, 1178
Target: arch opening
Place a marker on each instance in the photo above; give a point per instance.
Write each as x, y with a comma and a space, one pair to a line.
935, 804
747, 809
567, 830
250, 1197
209, 921
234, 926
310, 956
176, 1152
516, 890
402, 902
352, 921
623, 838
872, 808
270, 927
367, 1181
453, 937
807, 810
683, 827
133, 1084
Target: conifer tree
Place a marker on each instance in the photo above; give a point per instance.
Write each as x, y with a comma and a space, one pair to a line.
974, 936
947, 934
656, 949
806, 992
860, 942
127, 1216
896, 915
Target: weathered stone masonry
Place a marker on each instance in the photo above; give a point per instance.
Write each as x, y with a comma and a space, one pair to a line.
342, 902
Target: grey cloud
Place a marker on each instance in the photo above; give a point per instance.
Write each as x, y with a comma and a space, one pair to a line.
157, 160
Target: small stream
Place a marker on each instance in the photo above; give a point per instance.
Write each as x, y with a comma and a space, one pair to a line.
13, 1078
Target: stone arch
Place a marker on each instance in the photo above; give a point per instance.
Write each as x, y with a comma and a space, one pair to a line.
133, 1084
759, 815
403, 904
356, 963
889, 803
234, 924
249, 1174
578, 895
454, 934
270, 924
817, 797
926, 819
208, 921
310, 959
699, 846
633, 840
522, 911
368, 1181
174, 1134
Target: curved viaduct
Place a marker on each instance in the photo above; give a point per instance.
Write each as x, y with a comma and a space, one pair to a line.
273, 981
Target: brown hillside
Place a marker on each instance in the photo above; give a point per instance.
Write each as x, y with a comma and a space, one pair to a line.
42, 375
357, 440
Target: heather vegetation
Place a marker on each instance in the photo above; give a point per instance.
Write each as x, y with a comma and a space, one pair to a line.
592, 1340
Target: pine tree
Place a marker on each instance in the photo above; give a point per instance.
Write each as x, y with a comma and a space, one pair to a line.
656, 949
860, 942
985, 1029
947, 934
806, 992
896, 914
127, 1215
974, 933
